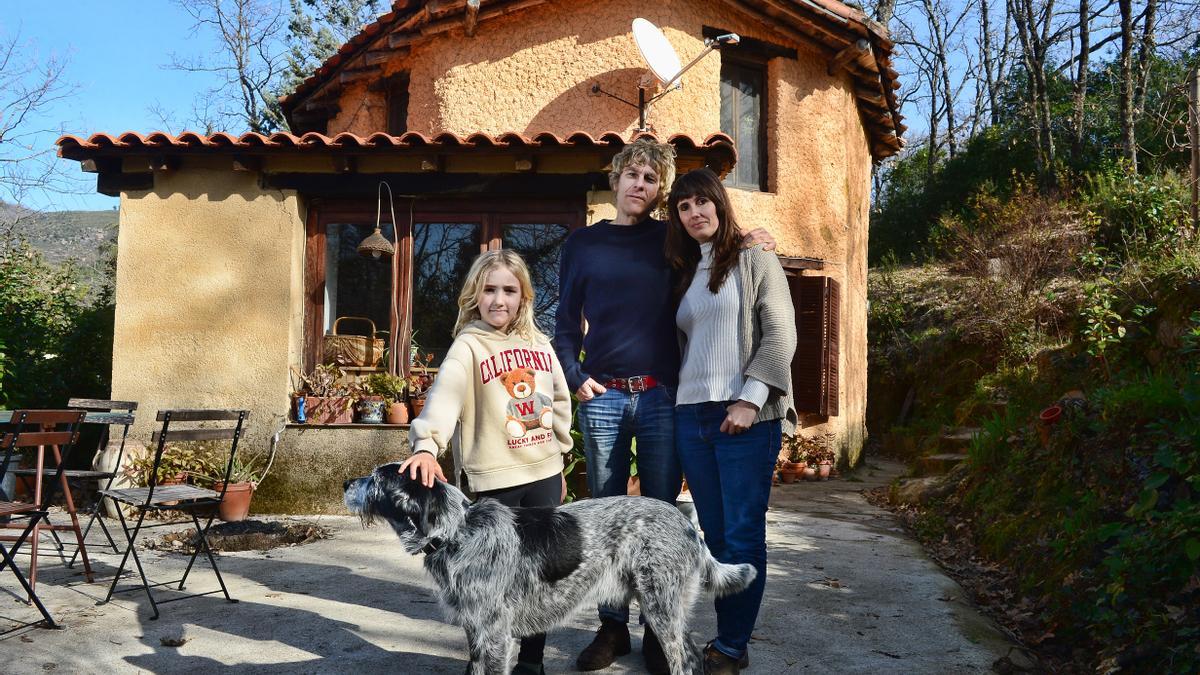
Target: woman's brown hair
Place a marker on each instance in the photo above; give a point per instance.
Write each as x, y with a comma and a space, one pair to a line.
683, 253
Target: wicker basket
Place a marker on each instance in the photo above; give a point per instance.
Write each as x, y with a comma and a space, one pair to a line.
352, 350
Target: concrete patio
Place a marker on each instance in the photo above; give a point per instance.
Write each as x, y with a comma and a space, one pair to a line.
848, 591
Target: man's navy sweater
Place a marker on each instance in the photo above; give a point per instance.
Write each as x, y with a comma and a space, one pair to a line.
617, 277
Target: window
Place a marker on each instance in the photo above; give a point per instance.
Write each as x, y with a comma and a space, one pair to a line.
442, 254
356, 286
443, 240
541, 245
397, 104
743, 118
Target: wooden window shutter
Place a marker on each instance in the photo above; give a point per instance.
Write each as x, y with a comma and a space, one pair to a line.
815, 366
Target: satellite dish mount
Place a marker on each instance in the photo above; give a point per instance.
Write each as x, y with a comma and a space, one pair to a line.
663, 62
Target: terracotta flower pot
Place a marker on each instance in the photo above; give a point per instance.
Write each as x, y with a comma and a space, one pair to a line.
634, 486
329, 410
786, 476
1048, 417
236, 505
809, 472
397, 413
824, 469
418, 404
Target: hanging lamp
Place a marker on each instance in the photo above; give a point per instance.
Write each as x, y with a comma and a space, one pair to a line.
376, 244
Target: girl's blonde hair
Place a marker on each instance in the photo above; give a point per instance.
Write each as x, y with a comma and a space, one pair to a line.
468, 306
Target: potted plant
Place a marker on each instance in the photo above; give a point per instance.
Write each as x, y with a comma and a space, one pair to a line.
248, 470
321, 398
793, 466
369, 405
180, 464
825, 458
420, 380
394, 391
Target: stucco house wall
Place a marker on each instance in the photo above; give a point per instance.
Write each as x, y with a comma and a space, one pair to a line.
208, 297
533, 71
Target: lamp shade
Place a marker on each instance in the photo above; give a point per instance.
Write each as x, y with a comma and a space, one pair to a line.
376, 245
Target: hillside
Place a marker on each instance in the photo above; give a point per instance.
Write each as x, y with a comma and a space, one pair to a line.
63, 235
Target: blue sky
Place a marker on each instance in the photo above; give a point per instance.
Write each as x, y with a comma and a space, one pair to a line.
115, 50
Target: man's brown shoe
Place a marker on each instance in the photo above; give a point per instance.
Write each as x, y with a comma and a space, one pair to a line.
611, 641
652, 654
717, 663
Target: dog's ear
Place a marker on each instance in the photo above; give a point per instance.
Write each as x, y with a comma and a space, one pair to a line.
421, 507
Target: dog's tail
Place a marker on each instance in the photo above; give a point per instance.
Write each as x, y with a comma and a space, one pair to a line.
722, 580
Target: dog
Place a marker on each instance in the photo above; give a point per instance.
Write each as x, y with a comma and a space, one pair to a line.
513, 572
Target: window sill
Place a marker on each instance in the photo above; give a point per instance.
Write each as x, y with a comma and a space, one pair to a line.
348, 425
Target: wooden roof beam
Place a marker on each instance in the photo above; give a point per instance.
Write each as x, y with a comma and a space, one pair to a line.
471, 17
851, 53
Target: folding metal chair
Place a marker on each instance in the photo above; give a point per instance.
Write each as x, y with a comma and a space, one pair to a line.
188, 499
105, 414
35, 429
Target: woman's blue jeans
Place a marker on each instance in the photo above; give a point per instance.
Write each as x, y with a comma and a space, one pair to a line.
609, 423
730, 480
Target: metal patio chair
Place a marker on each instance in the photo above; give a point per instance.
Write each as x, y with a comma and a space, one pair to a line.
105, 414
189, 499
35, 429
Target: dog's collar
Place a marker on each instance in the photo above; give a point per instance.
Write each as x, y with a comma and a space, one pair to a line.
432, 547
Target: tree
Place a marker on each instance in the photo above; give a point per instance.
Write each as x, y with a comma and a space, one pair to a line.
250, 61
29, 85
317, 29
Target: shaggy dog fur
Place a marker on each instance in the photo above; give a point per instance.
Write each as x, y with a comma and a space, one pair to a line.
511, 572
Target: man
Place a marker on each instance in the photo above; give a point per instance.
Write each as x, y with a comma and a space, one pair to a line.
615, 275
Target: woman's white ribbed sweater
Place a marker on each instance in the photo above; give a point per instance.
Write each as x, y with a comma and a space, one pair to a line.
712, 367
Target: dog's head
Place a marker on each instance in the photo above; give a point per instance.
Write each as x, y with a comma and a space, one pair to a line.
420, 515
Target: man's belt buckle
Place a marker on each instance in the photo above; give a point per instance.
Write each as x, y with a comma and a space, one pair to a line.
636, 384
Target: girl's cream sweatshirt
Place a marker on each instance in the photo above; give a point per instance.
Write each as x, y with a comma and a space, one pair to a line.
511, 398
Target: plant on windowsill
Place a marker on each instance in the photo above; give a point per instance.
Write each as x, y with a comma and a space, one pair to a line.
393, 389
420, 381
325, 401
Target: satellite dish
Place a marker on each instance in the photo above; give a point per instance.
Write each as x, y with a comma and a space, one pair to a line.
658, 54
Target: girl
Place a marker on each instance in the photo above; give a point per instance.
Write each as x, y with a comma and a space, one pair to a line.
503, 385
738, 332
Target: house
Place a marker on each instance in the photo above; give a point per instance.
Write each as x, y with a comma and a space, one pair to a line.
492, 122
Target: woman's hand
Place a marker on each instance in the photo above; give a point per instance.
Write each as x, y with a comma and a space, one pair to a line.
423, 466
740, 418
563, 498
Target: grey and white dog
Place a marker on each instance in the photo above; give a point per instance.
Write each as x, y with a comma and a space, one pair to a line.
512, 572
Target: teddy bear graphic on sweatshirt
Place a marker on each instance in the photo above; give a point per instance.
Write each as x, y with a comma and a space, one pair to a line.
527, 409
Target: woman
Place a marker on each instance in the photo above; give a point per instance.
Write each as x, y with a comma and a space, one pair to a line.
738, 333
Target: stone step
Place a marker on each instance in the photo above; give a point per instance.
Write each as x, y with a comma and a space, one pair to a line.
958, 439
937, 465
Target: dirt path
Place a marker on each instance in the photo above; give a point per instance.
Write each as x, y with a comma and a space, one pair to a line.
848, 591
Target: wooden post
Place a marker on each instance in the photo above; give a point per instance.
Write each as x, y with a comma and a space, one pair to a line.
1194, 132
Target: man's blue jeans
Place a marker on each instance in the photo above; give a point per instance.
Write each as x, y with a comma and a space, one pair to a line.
730, 480
609, 423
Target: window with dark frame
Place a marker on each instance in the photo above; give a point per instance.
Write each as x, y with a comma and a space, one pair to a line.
397, 104
743, 118
443, 244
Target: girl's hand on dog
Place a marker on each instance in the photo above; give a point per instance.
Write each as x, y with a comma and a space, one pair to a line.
423, 466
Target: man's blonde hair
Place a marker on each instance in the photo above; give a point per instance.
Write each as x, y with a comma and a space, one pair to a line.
523, 323
657, 156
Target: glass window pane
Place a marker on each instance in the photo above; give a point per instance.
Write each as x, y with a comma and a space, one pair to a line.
442, 254
540, 244
354, 285
741, 118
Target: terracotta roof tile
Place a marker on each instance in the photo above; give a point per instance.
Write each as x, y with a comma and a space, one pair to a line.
131, 142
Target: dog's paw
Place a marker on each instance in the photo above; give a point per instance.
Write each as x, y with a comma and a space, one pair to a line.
515, 428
